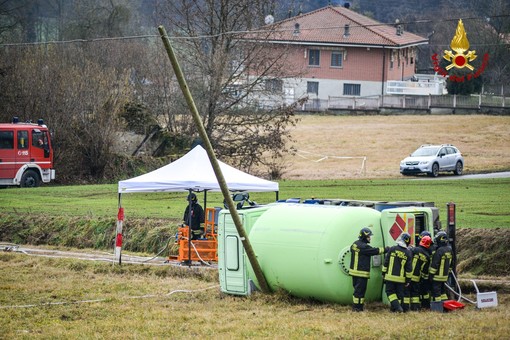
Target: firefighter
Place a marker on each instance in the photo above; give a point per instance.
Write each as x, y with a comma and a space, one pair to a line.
197, 216
425, 285
397, 271
359, 269
440, 266
419, 272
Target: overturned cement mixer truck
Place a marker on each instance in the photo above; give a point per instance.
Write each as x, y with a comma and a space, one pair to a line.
304, 249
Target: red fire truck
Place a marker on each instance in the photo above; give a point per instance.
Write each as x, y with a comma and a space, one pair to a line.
26, 154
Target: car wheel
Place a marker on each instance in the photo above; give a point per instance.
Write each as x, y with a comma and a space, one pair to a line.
458, 168
30, 179
435, 170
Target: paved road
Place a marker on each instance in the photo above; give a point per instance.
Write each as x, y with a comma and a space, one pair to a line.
505, 174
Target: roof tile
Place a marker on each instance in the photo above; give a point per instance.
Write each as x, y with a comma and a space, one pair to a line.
327, 26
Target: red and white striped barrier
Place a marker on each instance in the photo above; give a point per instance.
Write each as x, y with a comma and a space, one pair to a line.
118, 238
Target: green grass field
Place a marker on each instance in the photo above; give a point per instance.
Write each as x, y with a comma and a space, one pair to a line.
481, 203
47, 298
68, 298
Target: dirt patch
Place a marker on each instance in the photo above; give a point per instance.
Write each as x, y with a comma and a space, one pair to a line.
376, 144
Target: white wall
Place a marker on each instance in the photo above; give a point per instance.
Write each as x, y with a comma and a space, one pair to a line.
329, 87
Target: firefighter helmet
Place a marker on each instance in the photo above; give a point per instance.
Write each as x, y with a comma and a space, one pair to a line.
441, 238
425, 233
364, 234
404, 240
426, 241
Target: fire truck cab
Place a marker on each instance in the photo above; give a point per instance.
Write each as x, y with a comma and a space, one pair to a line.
26, 154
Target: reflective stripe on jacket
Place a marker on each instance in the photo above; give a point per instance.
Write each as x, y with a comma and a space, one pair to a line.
360, 258
419, 263
440, 263
398, 265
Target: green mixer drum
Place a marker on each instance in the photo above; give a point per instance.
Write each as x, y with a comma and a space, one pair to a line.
304, 250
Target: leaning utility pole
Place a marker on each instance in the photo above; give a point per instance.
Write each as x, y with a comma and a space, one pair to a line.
214, 162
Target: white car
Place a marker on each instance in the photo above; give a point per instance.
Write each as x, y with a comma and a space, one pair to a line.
432, 159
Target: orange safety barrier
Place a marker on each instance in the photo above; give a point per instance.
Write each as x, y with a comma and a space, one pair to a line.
204, 249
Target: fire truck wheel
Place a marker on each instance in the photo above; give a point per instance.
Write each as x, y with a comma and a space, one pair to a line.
30, 179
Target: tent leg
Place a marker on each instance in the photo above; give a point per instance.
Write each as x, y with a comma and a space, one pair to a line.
189, 228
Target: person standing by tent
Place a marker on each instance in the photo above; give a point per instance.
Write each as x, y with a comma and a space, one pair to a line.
194, 216
359, 269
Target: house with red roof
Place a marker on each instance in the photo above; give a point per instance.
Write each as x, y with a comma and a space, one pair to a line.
339, 52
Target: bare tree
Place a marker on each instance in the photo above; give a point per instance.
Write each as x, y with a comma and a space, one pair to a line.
26, 20
490, 35
79, 88
79, 99
82, 88
229, 76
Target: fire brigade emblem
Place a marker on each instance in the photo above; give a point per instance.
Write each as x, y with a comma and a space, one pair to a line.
460, 44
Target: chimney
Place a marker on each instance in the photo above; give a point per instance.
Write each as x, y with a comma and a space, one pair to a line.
296, 29
399, 27
346, 31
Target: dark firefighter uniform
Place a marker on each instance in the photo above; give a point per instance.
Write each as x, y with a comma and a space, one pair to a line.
359, 268
194, 216
440, 267
419, 272
426, 285
397, 272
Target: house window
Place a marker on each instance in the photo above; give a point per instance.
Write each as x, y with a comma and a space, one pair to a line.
336, 59
352, 89
274, 85
314, 57
312, 87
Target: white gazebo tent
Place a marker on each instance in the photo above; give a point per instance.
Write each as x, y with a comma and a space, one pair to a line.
192, 172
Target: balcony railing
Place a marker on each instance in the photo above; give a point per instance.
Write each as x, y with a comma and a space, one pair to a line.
420, 88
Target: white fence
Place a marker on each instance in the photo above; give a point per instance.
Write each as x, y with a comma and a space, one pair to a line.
476, 102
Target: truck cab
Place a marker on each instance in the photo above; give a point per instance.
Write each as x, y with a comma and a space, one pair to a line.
26, 154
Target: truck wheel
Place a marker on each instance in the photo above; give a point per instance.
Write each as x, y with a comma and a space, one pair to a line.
30, 179
435, 170
458, 168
